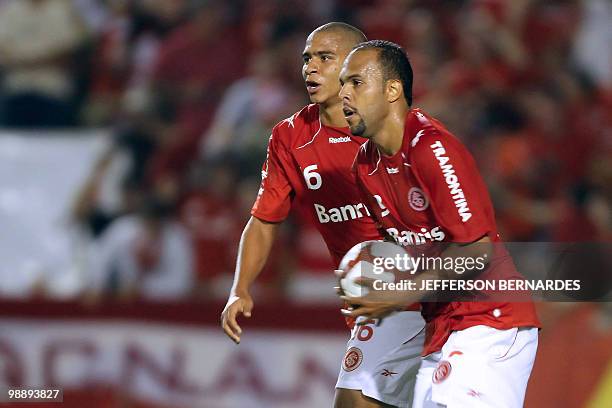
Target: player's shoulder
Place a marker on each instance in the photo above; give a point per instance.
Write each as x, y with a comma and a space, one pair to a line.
292, 130
427, 133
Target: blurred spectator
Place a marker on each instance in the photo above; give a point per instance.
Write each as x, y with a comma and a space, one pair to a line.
211, 214
116, 184
144, 255
111, 65
247, 112
128, 45
215, 210
197, 62
37, 40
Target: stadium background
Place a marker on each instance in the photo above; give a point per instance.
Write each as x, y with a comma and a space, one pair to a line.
132, 137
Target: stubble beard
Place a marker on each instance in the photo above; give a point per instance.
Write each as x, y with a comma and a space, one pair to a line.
359, 129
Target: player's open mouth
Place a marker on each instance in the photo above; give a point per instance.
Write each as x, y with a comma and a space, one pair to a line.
312, 86
348, 112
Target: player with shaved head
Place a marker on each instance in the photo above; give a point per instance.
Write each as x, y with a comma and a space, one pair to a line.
309, 162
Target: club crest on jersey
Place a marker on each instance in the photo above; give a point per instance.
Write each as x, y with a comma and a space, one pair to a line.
417, 199
442, 372
352, 359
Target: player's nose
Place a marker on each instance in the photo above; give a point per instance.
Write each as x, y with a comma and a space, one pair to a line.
311, 67
344, 94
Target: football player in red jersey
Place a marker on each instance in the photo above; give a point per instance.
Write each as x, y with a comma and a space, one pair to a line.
476, 354
309, 160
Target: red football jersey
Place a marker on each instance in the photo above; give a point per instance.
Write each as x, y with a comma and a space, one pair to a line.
430, 191
312, 163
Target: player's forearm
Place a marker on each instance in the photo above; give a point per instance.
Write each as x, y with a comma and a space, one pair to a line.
255, 245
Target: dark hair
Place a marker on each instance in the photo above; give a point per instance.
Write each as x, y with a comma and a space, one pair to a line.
394, 62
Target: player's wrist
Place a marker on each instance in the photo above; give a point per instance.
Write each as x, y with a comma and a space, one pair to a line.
240, 291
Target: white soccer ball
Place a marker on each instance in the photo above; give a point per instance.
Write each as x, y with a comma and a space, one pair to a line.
366, 259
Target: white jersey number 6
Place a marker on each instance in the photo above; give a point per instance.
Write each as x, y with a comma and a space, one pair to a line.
313, 179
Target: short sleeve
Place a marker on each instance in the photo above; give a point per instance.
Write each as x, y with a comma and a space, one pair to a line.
275, 194
458, 196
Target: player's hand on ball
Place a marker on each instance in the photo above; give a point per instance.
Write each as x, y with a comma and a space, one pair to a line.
375, 304
237, 303
366, 263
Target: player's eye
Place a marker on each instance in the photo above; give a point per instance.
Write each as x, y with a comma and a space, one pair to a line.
306, 59
356, 82
325, 58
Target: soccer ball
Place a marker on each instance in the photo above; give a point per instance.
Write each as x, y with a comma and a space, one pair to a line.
367, 259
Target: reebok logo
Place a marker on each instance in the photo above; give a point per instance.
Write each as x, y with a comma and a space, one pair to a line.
342, 139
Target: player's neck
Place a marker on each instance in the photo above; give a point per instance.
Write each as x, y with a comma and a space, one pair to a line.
332, 114
391, 135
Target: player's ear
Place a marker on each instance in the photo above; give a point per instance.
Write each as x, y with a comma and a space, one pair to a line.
394, 90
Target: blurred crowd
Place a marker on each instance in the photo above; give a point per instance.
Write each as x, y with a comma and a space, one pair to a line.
191, 90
